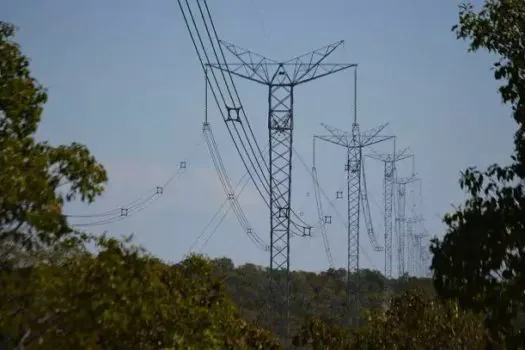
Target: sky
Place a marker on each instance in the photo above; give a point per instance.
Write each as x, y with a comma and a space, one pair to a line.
124, 79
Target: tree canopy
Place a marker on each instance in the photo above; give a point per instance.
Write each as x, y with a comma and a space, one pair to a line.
481, 259
36, 178
122, 298
412, 320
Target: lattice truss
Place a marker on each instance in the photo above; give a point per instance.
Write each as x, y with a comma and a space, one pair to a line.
356, 192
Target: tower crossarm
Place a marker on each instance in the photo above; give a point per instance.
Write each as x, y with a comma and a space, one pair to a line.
344, 138
337, 134
254, 65
309, 66
320, 70
250, 71
264, 70
371, 137
279, 73
336, 140
369, 140
389, 157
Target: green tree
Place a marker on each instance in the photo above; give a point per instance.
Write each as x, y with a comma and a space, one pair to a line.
35, 177
122, 298
481, 259
413, 320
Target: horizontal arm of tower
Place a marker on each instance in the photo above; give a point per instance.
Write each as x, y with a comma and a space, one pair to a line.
338, 134
368, 140
336, 140
254, 64
307, 62
278, 74
257, 74
305, 72
371, 137
389, 157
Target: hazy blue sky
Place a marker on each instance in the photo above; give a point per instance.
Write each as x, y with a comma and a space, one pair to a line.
124, 79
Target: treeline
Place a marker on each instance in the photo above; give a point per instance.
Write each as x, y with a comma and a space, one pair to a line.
121, 297
55, 293
312, 294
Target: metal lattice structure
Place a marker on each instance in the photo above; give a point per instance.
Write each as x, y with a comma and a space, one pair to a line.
281, 78
354, 142
401, 233
389, 179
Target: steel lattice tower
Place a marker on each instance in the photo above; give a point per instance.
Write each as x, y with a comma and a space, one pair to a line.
401, 222
389, 179
354, 142
281, 78
415, 218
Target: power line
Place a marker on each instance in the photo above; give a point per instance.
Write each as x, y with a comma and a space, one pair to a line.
242, 182
137, 205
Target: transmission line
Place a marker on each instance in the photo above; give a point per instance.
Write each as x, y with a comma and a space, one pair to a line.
137, 205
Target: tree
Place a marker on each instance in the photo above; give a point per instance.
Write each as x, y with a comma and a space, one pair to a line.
35, 177
122, 298
416, 321
413, 320
481, 259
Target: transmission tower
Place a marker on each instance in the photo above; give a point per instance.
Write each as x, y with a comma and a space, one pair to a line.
281, 78
415, 218
354, 142
402, 182
389, 179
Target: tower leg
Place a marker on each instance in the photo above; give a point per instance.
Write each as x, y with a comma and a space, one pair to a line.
280, 127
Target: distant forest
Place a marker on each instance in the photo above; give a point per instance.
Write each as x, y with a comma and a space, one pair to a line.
312, 294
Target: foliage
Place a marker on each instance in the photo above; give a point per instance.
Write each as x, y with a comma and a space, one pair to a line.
481, 259
413, 320
319, 334
35, 177
314, 296
416, 321
122, 298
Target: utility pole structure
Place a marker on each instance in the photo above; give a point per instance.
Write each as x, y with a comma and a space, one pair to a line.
354, 142
281, 78
401, 221
415, 219
389, 179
